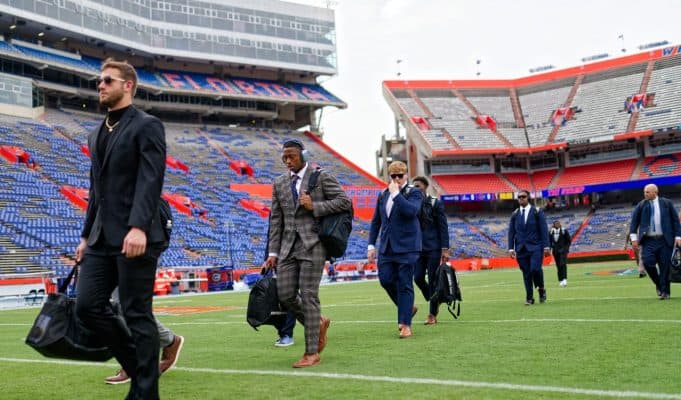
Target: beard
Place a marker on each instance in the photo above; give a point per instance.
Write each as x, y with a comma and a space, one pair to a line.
113, 98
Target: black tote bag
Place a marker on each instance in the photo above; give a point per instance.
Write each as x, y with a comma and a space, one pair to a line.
58, 333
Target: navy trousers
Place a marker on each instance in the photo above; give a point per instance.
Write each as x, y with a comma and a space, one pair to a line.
656, 251
530, 263
396, 274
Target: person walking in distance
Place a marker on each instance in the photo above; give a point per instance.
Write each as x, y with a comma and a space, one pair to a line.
434, 245
654, 231
560, 240
396, 226
294, 246
171, 346
528, 240
122, 236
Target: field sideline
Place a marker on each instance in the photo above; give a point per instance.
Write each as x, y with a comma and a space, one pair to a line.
604, 336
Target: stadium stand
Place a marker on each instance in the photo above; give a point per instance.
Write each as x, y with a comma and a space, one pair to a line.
665, 165
600, 99
537, 108
618, 171
664, 83
483, 183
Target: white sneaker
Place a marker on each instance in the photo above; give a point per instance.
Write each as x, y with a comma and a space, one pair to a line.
563, 283
284, 341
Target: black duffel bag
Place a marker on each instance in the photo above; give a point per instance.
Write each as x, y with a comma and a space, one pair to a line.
263, 303
58, 333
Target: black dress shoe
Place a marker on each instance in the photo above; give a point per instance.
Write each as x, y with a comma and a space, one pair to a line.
529, 302
542, 295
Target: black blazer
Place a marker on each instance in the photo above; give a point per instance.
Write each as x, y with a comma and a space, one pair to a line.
126, 181
434, 228
640, 220
562, 245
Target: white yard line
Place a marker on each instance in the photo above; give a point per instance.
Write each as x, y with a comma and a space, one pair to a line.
392, 379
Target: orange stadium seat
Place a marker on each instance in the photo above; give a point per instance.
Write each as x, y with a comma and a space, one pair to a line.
475, 183
617, 171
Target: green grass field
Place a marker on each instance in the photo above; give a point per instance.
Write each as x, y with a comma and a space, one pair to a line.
604, 336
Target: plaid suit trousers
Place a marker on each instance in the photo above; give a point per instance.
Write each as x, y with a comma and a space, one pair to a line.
301, 271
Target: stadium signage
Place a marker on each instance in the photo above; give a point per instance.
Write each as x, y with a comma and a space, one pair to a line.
469, 197
670, 51
248, 87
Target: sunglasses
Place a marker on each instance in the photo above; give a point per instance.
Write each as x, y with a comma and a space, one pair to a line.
395, 176
522, 196
108, 79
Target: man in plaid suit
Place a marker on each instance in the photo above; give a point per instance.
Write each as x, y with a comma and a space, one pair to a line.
294, 246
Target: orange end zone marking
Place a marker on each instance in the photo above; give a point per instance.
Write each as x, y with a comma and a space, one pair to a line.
183, 310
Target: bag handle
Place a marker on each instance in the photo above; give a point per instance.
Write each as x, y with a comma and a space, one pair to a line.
74, 271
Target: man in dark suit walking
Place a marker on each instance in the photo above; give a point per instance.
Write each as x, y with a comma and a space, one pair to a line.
294, 246
528, 240
434, 245
655, 228
396, 224
559, 239
122, 237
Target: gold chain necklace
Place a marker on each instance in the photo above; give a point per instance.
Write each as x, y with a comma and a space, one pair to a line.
110, 127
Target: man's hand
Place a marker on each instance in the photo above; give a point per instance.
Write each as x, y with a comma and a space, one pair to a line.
270, 263
305, 201
634, 244
80, 250
371, 255
445, 256
511, 253
547, 252
393, 187
135, 243
678, 242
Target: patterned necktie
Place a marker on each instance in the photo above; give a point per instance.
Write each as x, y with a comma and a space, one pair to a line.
653, 229
294, 191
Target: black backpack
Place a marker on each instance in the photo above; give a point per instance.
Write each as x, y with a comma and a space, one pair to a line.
447, 289
333, 229
165, 215
675, 269
263, 303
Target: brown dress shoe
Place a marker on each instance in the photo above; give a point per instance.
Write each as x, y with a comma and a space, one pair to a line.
308, 360
431, 320
414, 310
171, 353
120, 377
323, 327
405, 332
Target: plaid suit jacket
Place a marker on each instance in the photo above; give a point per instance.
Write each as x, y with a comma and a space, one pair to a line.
288, 218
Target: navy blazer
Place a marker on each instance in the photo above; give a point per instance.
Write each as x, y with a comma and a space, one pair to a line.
533, 235
434, 229
402, 229
640, 220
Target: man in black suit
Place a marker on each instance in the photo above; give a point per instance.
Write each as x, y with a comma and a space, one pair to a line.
122, 236
655, 225
560, 240
434, 245
528, 240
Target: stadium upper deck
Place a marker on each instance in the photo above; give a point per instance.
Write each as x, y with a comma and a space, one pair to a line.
265, 34
589, 125
587, 104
